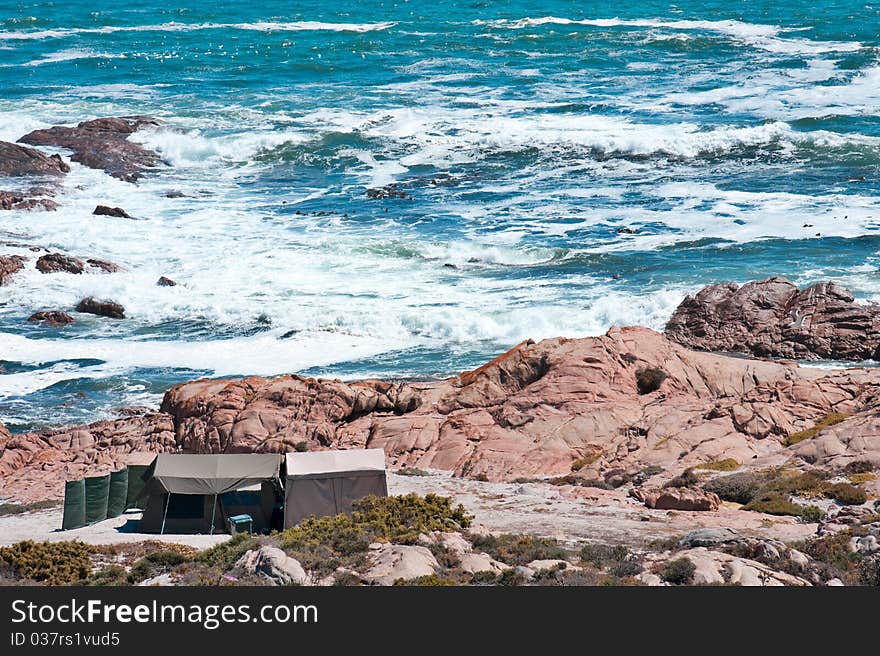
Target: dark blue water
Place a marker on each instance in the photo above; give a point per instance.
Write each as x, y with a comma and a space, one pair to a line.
557, 171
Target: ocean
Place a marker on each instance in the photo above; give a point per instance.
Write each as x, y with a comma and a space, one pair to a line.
560, 167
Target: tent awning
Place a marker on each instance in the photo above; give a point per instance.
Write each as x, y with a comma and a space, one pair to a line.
212, 473
334, 462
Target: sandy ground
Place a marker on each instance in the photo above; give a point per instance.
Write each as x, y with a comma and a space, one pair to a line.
570, 514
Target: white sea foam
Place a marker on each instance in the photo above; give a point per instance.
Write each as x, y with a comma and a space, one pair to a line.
72, 54
262, 26
766, 37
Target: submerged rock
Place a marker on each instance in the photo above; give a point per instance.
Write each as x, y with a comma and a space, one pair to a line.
773, 318
10, 265
103, 144
109, 309
165, 282
54, 318
105, 210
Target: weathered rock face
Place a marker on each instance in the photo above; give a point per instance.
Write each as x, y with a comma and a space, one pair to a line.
58, 263
773, 318
91, 305
102, 144
34, 466
10, 265
536, 410
17, 160
54, 318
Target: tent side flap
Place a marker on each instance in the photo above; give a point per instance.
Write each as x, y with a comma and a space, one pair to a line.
74, 505
97, 496
118, 493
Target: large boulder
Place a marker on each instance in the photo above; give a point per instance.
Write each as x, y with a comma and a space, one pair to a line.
59, 263
677, 498
10, 265
393, 562
773, 318
17, 160
102, 144
274, 566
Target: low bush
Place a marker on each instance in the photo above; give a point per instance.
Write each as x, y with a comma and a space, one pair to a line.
678, 572
412, 471
845, 493
602, 555
53, 563
17, 508
110, 575
224, 555
429, 580
626, 568
837, 561
153, 564
859, 467
519, 549
862, 477
580, 463
687, 478
728, 464
325, 543
738, 488
774, 503
830, 419
650, 379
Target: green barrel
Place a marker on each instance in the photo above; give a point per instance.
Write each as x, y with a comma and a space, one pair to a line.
136, 484
97, 495
118, 493
74, 505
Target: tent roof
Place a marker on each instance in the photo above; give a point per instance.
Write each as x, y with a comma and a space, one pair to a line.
213, 473
326, 462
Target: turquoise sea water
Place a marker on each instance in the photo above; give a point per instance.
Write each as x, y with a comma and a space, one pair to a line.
566, 166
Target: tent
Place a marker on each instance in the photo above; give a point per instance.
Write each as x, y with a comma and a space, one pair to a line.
138, 463
324, 483
190, 493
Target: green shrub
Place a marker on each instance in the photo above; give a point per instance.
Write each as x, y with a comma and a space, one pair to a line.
774, 503
738, 488
301, 447
580, 463
225, 554
678, 572
429, 580
628, 567
728, 464
862, 477
830, 419
511, 577
836, 560
110, 575
519, 549
845, 493
602, 555
153, 564
325, 543
812, 514
53, 563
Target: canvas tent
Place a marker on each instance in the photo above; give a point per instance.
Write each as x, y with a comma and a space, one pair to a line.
189, 493
324, 483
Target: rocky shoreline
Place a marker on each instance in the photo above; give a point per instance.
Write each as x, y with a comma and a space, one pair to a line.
660, 419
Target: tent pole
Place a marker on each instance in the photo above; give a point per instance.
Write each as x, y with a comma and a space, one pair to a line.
213, 513
165, 514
